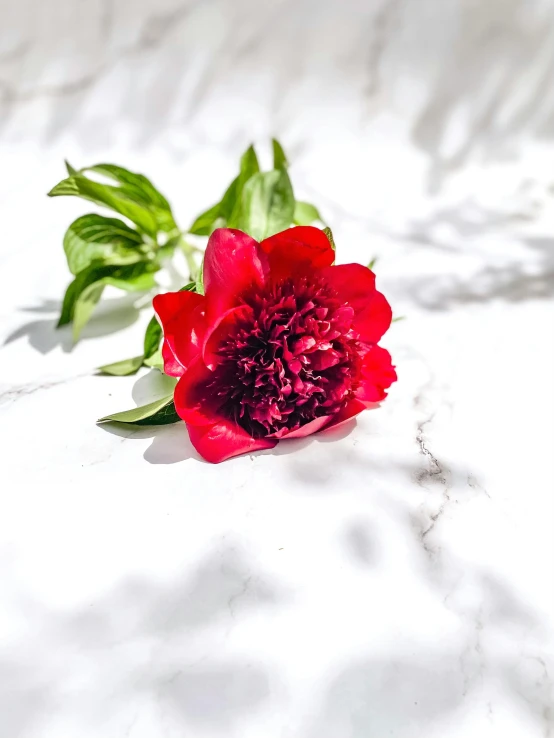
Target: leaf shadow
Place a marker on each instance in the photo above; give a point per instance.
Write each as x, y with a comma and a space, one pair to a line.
42, 334
170, 443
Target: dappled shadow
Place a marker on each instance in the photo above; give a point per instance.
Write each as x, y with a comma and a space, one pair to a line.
400, 694
112, 315
170, 443
491, 88
147, 644
515, 280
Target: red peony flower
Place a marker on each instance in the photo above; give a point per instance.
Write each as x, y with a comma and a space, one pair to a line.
282, 344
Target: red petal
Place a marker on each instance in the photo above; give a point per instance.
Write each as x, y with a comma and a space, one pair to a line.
306, 430
299, 248
193, 401
377, 375
233, 263
353, 282
224, 440
375, 319
355, 285
221, 330
349, 411
172, 367
180, 315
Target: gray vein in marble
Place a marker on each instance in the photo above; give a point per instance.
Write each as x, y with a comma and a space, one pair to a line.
14, 393
472, 662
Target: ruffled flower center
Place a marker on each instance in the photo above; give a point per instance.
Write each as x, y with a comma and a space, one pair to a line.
292, 358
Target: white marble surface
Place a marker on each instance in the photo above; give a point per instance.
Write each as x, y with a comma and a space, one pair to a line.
398, 581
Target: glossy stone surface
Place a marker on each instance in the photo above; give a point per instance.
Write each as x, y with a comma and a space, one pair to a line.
396, 580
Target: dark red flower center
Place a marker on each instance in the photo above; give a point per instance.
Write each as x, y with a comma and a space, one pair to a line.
293, 357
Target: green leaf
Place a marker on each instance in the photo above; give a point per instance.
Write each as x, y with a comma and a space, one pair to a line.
107, 240
155, 361
372, 263
141, 189
305, 213
267, 205
123, 368
84, 305
152, 337
226, 212
329, 233
249, 167
279, 157
228, 202
159, 412
203, 225
109, 196
400, 317
86, 289
134, 196
199, 285
69, 168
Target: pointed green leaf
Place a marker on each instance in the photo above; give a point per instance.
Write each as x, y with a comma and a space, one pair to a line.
96, 238
228, 203
372, 263
267, 205
87, 287
76, 287
123, 368
305, 213
249, 167
279, 157
199, 285
203, 225
141, 189
84, 305
109, 196
70, 169
133, 196
159, 412
152, 337
155, 361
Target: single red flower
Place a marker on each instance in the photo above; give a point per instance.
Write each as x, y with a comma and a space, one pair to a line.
282, 344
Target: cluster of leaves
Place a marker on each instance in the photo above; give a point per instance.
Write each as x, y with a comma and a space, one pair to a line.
102, 250
258, 203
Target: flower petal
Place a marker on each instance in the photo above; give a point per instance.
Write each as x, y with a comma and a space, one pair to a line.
355, 285
193, 400
225, 439
300, 248
223, 327
307, 429
233, 263
181, 317
350, 410
376, 375
374, 320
